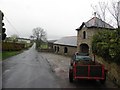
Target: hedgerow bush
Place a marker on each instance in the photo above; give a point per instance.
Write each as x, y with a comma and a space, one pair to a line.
106, 44
8, 46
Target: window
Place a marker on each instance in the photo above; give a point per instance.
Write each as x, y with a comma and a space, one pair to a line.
84, 35
84, 58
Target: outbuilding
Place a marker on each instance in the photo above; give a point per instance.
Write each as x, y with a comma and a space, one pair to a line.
86, 31
66, 45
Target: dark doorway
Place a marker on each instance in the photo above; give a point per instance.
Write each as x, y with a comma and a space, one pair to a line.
57, 49
65, 50
84, 48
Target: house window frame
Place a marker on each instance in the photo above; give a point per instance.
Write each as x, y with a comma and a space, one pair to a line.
84, 34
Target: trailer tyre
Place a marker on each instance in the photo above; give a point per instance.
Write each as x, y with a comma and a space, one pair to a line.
70, 77
104, 80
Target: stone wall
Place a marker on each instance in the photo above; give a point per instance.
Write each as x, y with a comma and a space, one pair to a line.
71, 49
89, 34
113, 70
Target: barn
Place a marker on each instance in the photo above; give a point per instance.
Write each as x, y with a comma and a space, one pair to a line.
66, 45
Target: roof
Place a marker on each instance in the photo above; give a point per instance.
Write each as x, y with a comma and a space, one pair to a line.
23, 38
52, 41
70, 41
95, 23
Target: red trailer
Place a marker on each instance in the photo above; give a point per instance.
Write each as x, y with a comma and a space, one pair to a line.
83, 67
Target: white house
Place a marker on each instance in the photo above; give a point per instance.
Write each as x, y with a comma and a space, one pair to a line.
24, 40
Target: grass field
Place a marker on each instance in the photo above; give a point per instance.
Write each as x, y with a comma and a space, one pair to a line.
7, 54
44, 46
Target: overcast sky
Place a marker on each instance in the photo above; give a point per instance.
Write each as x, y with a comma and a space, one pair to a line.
58, 18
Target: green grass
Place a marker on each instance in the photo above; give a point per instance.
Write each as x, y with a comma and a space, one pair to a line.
7, 54
44, 46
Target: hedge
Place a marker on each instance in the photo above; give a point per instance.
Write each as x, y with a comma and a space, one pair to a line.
9, 46
106, 44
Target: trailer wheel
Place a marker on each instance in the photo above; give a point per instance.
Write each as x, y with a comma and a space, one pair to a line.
104, 80
70, 77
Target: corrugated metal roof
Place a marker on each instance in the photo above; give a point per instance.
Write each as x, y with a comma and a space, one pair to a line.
70, 41
95, 22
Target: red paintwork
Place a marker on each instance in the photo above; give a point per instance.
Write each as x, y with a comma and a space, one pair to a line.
81, 77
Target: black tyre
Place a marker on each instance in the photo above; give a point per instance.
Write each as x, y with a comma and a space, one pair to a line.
70, 77
104, 80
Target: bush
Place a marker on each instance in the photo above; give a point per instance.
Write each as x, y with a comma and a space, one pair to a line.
8, 46
106, 44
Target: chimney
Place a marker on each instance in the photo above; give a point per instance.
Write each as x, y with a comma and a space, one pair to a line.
95, 14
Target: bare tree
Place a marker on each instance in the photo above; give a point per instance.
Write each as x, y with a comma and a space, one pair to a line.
115, 12
103, 7
40, 35
100, 10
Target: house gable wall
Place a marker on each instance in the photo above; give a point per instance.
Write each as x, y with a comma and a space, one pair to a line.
89, 34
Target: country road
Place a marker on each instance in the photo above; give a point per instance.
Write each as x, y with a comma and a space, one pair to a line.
28, 70
32, 69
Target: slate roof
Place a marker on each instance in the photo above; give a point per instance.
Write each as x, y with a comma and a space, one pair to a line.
23, 39
96, 23
69, 41
52, 41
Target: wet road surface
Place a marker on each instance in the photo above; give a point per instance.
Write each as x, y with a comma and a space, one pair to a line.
32, 69
60, 65
28, 70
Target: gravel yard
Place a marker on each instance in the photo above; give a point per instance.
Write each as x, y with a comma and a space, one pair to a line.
60, 66
59, 63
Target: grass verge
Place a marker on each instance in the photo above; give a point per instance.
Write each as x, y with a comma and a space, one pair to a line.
7, 54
